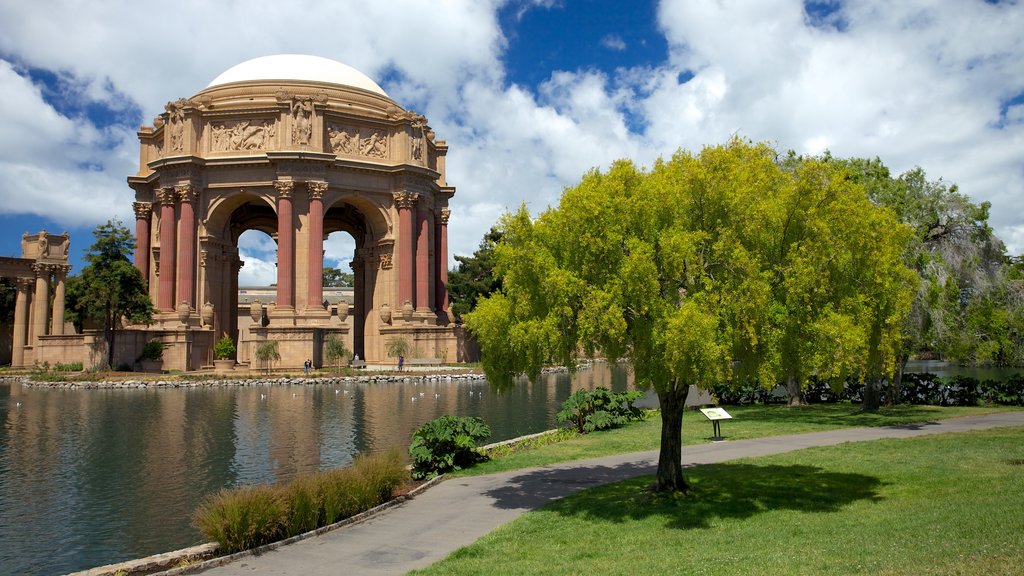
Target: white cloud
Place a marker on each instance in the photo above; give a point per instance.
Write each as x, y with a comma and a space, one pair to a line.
613, 42
913, 82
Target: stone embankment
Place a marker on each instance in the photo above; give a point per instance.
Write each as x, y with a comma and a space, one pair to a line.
185, 382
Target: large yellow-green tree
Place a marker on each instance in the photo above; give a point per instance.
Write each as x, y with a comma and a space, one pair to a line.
705, 269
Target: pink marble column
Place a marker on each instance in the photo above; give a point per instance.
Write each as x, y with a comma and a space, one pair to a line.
165, 285
422, 260
143, 212
57, 323
20, 322
441, 251
406, 234
285, 246
41, 301
315, 282
187, 245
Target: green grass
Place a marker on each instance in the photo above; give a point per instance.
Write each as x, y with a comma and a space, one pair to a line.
947, 504
748, 422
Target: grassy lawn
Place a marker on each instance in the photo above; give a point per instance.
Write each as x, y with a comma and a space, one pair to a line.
947, 504
748, 422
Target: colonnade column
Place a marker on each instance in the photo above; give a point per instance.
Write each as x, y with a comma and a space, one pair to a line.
165, 286
40, 301
57, 324
285, 246
315, 290
20, 322
422, 260
441, 257
187, 244
406, 235
143, 212
360, 308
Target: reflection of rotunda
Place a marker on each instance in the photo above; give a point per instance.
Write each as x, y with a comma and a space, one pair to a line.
297, 147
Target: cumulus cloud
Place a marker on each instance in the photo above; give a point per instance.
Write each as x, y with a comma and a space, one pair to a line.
914, 83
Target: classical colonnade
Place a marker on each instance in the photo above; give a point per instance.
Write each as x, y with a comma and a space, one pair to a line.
40, 271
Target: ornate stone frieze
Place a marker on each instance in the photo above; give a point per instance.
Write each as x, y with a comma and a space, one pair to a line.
244, 134
357, 141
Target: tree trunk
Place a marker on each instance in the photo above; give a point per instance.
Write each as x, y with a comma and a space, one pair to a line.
893, 396
793, 390
669, 477
108, 328
872, 394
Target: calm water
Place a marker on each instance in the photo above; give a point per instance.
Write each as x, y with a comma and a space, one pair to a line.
946, 370
91, 477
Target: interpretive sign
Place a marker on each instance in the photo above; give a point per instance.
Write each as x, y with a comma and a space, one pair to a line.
716, 415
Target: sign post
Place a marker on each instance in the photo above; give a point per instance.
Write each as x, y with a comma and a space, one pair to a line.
716, 415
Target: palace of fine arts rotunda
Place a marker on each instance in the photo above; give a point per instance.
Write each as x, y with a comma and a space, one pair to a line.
297, 147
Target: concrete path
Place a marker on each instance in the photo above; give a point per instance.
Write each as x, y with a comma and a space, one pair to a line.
458, 511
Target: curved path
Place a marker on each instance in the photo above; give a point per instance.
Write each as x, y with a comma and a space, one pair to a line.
458, 511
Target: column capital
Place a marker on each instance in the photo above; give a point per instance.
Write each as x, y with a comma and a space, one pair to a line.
445, 214
143, 209
166, 196
316, 189
187, 193
284, 188
25, 284
41, 270
406, 199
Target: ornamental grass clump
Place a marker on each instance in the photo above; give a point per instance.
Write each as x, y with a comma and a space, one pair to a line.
243, 518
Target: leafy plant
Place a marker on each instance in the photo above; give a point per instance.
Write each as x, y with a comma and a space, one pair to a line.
224, 349
397, 346
152, 350
447, 443
601, 409
267, 354
335, 351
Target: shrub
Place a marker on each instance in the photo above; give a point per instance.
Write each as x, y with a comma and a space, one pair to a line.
445, 444
267, 353
397, 346
335, 351
1009, 392
243, 518
152, 350
69, 367
601, 409
224, 349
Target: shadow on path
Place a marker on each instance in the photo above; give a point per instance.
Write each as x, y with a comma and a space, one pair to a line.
726, 490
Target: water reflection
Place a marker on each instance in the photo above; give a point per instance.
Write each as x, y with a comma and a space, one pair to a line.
89, 477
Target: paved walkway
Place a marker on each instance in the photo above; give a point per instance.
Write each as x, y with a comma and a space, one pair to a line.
458, 511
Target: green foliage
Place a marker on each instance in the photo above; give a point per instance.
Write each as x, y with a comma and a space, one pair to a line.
267, 353
8, 297
335, 351
397, 346
244, 518
335, 278
225, 348
109, 288
601, 409
447, 443
707, 268
474, 278
152, 350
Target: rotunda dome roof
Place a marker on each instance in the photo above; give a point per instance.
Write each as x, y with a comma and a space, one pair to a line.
297, 67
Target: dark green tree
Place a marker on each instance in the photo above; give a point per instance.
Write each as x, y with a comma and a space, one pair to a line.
110, 291
334, 278
8, 295
474, 278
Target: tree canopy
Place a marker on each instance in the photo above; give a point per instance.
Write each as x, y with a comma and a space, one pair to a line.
109, 289
334, 278
475, 275
707, 268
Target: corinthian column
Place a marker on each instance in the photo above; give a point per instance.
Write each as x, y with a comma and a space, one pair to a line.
20, 322
423, 234
406, 264
285, 246
165, 286
143, 212
187, 244
41, 301
315, 273
57, 324
441, 259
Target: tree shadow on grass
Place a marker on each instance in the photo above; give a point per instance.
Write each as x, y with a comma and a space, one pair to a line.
727, 490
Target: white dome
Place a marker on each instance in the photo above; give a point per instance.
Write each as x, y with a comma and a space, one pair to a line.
297, 67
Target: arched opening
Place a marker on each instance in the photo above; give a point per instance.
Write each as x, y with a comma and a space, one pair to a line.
339, 278
349, 236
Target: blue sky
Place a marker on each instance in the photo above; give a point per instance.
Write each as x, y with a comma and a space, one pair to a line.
529, 94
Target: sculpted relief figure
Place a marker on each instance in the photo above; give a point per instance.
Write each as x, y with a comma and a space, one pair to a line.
241, 135
176, 124
419, 136
341, 141
346, 140
302, 120
376, 146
